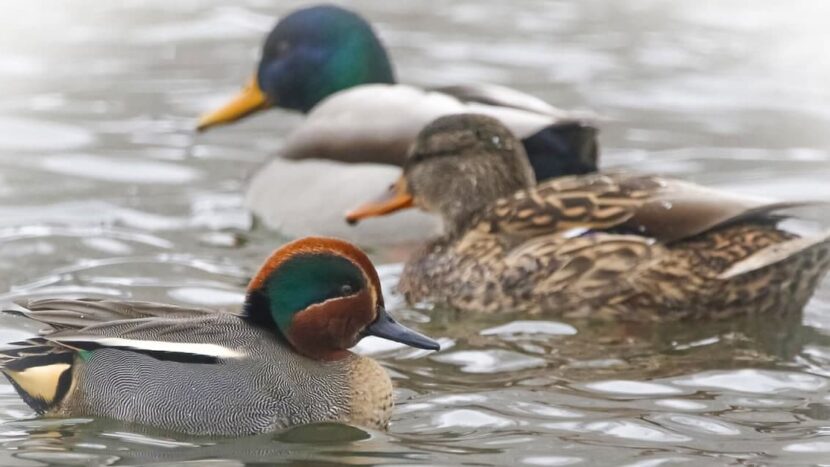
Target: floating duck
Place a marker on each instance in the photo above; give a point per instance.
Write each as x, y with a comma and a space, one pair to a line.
327, 62
609, 246
283, 361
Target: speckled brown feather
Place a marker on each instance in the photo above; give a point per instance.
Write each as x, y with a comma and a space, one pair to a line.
648, 205
620, 246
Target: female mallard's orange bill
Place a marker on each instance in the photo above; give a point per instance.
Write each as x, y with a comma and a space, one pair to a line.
250, 100
397, 197
386, 327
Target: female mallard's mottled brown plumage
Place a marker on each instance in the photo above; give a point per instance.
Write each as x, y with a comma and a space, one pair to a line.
617, 245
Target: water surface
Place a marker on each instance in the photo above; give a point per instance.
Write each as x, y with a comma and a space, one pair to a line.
106, 191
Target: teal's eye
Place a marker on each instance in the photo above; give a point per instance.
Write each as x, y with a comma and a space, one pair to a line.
346, 290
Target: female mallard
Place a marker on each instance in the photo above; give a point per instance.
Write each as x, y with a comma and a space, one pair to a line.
328, 63
636, 247
283, 361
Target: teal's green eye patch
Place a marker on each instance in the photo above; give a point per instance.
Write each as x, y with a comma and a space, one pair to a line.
308, 279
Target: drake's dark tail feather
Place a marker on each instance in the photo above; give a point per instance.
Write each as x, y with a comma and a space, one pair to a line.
39, 372
567, 148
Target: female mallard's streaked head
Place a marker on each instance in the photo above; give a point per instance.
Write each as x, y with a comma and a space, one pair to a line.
309, 55
323, 295
458, 165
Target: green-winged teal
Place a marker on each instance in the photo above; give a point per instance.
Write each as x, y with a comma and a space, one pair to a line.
282, 361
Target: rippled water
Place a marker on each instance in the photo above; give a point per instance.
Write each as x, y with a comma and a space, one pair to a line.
106, 191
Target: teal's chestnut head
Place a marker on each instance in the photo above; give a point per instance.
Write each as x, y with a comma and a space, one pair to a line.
323, 295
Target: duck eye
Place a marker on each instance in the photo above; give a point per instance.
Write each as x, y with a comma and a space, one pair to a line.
346, 289
279, 49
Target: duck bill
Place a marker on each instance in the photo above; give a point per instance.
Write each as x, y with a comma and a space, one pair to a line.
250, 100
397, 197
387, 328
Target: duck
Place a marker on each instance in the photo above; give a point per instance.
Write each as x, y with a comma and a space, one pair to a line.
282, 361
327, 62
607, 246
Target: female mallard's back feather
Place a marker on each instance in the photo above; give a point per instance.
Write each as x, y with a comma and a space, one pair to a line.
627, 246
646, 205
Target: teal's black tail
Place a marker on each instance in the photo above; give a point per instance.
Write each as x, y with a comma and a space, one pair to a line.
39, 371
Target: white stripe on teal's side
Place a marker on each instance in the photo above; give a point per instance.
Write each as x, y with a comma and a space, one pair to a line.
209, 350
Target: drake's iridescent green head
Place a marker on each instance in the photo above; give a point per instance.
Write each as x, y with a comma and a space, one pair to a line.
315, 52
323, 295
309, 55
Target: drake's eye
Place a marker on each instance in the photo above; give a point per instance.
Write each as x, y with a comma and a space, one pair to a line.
346, 289
278, 49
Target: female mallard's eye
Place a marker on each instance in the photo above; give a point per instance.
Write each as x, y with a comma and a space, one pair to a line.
346, 289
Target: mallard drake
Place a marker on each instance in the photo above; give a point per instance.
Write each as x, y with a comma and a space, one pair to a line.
282, 361
620, 246
328, 63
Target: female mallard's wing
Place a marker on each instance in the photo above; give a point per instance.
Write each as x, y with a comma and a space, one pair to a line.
578, 274
378, 122
650, 206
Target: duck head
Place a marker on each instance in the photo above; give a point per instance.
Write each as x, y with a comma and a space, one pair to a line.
323, 295
458, 165
310, 54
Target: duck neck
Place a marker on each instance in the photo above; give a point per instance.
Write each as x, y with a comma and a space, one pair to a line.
460, 218
483, 184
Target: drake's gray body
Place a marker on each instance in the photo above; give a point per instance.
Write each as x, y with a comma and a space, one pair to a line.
283, 361
262, 385
268, 389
